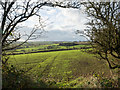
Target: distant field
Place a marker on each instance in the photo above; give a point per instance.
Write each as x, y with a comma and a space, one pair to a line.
61, 66
46, 48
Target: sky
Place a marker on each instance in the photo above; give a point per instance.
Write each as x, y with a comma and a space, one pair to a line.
59, 24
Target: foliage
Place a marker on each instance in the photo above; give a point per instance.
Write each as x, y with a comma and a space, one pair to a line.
68, 44
103, 30
106, 82
16, 79
13, 78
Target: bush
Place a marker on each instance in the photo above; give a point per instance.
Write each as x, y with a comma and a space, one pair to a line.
107, 82
14, 78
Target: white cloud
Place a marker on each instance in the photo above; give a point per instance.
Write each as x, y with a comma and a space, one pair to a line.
64, 20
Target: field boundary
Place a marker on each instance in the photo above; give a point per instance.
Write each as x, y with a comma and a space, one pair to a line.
48, 51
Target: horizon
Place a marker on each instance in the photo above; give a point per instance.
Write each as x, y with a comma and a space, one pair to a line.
53, 41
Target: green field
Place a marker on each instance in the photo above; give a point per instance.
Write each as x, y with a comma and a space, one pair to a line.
69, 68
35, 47
45, 47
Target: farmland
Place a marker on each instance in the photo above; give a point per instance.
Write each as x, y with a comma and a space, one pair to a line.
32, 47
62, 69
59, 44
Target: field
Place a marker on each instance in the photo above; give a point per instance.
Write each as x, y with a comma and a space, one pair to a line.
46, 46
62, 69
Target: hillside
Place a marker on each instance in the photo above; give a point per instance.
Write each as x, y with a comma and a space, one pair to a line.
60, 67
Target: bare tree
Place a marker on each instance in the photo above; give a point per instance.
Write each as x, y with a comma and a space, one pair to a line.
104, 31
14, 12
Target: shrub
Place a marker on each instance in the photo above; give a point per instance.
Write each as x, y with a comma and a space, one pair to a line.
106, 82
14, 78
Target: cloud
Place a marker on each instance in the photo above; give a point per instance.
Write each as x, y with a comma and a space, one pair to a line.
59, 18
66, 19
61, 23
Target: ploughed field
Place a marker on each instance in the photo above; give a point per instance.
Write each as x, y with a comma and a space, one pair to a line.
70, 68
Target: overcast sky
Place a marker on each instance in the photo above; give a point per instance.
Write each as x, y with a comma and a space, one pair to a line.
61, 24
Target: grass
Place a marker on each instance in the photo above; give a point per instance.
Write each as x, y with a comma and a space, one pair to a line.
45, 47
60, 68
